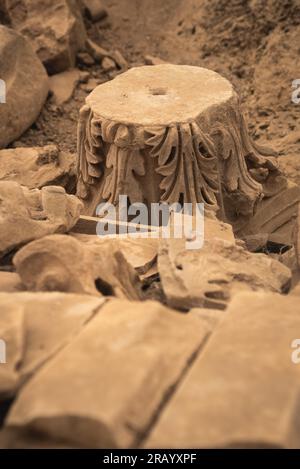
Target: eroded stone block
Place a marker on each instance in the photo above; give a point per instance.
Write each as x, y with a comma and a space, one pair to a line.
36, 326
243, 390
55, 29
213, 275
26, 85
38, 167
26, 214
104, 389
62, 263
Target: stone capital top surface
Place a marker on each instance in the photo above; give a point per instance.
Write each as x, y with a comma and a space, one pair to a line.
159, 95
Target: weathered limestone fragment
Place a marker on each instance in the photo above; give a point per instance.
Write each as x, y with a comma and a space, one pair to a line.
276, 215
27, 214
54, 27
62, 263
38, 167
152, 129
62, 85
37, 326
213, 275
26, 85
243, 390
105, 387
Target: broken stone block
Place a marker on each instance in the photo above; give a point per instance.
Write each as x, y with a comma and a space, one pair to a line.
276, 215
27, 214
57, 31
38, 167
45, 323
54, 27
213, 275
62, 85
104, 389
62, 263
11, 347
26, 85
243, 390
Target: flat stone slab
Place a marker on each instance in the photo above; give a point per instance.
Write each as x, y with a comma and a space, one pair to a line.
169, 93
243, 390
104, 389
36, 326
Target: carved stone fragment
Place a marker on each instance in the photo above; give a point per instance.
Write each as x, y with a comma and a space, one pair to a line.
26, 214
55, 29
211, 276
62, 263
38, 167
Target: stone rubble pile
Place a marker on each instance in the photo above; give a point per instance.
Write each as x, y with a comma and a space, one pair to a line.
91, 359
38, 39
85, 352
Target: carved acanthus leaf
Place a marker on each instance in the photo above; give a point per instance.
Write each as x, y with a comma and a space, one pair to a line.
90, 151
237, 155
187, 161
125, 165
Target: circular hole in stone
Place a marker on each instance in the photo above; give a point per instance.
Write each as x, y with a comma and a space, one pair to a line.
158, 91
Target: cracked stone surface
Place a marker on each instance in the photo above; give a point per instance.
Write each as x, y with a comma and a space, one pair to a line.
63, 263
104, 389
35, 327
243, 390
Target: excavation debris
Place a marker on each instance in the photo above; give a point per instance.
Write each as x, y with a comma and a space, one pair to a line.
243, 390
38, 167
27, 214
26, 85
104, 389
62, 263
213, 275
62, 85
54, 27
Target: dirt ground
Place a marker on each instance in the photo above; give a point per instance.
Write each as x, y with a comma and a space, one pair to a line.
255, 44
